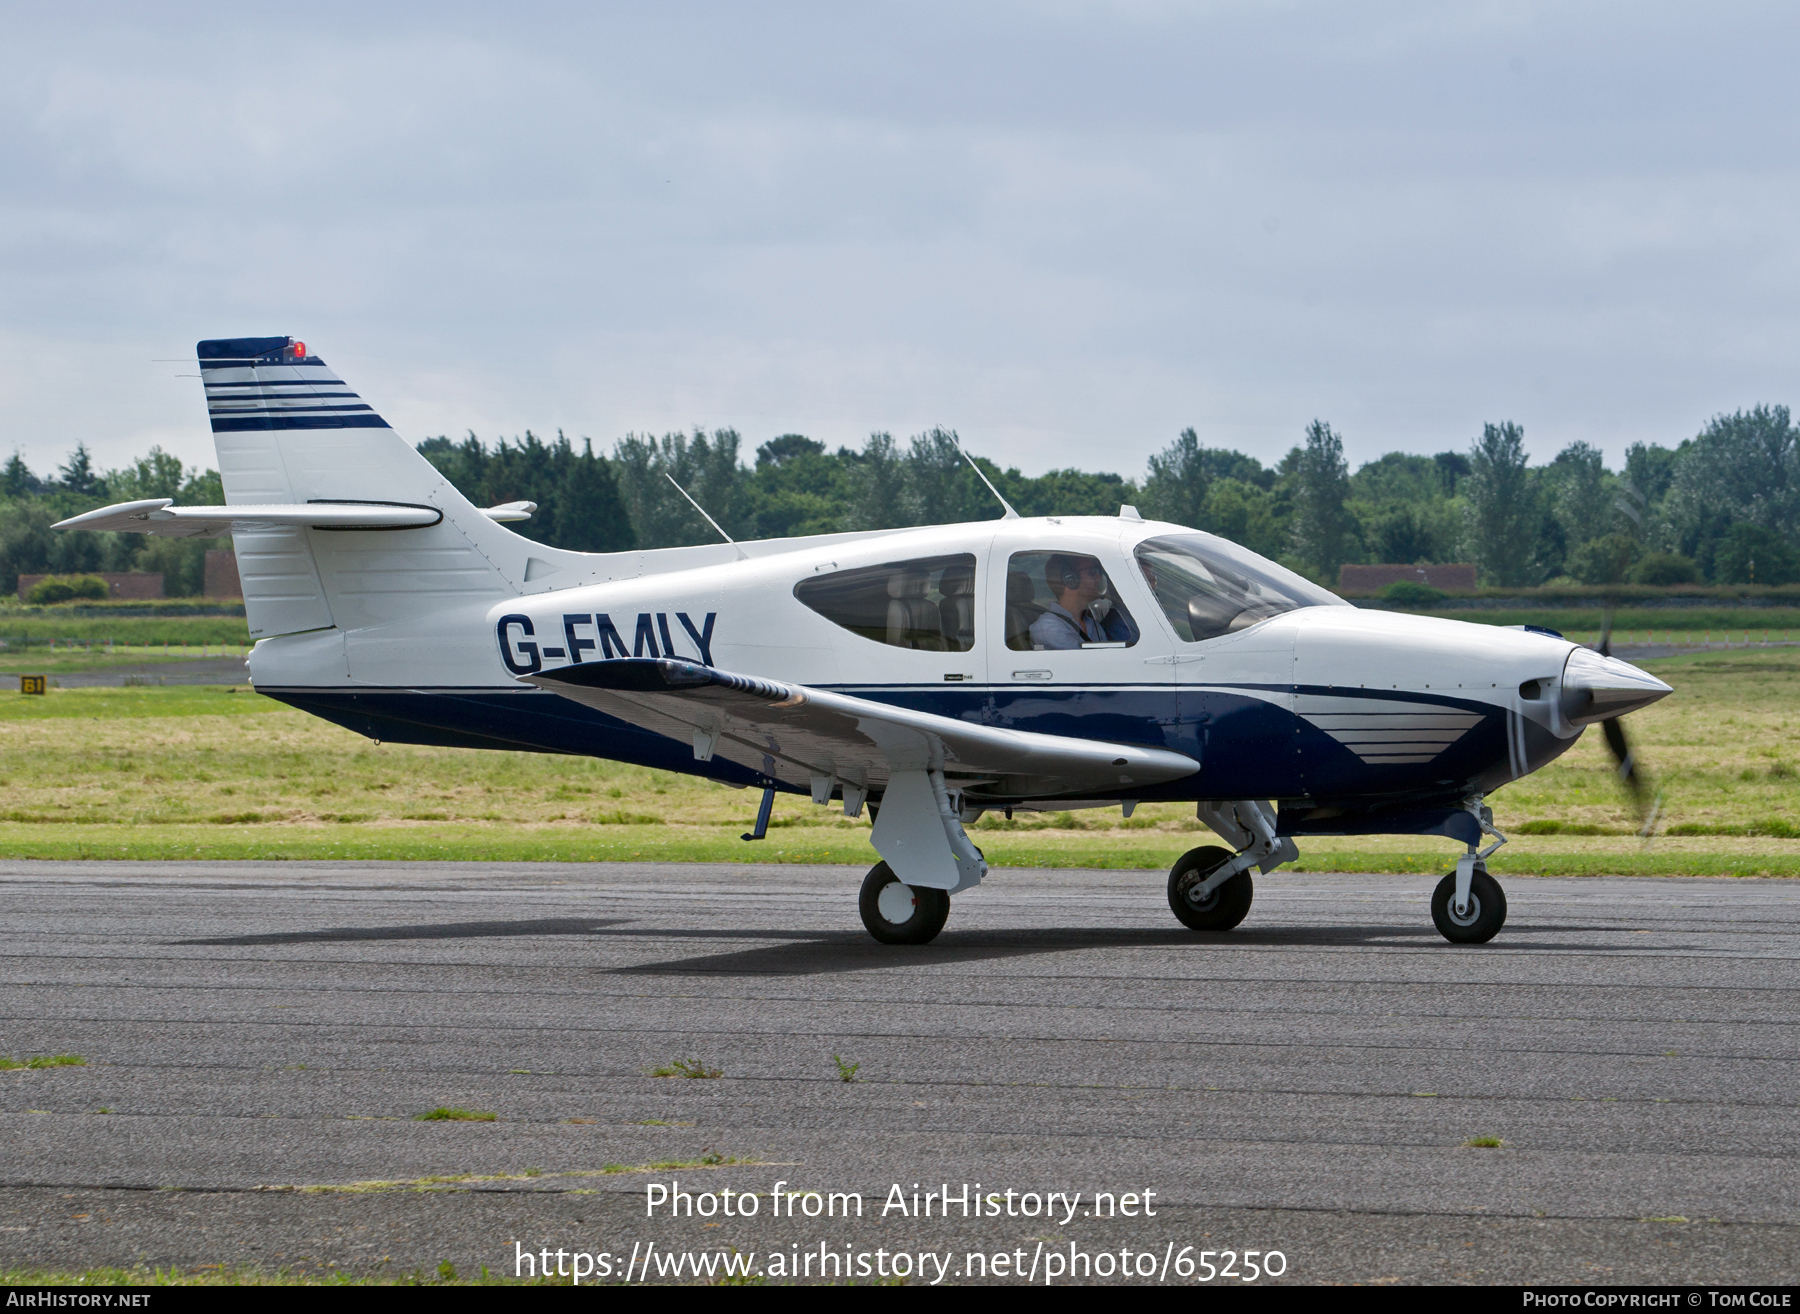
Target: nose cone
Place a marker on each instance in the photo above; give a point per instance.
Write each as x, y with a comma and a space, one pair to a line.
1596, 688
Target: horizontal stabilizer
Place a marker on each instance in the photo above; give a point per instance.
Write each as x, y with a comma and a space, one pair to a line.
802, 736
159, 515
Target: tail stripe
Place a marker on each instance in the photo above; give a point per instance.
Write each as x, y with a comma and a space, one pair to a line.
271, 383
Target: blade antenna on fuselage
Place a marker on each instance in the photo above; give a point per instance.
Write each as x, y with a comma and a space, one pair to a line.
742, 555
1010, 513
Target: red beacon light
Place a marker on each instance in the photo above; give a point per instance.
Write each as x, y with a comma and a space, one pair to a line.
297, 351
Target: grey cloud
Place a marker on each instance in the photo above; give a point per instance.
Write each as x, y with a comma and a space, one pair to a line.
1068, 230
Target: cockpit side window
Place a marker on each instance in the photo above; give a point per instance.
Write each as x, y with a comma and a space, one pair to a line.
926, 604
1207, 587
1063, 600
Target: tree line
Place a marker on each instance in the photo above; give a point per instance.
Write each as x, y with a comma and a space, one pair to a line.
30, 504
1721, 507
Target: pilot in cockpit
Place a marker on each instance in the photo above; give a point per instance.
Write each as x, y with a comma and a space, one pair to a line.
1077, 583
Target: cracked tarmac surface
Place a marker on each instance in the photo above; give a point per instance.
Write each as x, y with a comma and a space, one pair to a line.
1309, 1083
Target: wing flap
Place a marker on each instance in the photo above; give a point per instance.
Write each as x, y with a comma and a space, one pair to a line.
797, 734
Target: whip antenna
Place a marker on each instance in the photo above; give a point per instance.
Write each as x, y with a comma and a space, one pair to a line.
1010, 513
709, 520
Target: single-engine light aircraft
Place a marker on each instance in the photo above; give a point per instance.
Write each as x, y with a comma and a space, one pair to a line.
930, 675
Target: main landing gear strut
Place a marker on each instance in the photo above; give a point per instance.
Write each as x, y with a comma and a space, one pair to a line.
1210, 888
926, 857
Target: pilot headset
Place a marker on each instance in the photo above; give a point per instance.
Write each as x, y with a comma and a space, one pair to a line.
1071, 575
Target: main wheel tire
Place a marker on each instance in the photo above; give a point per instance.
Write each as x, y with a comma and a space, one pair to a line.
895, 913
1221, 910
1486, 915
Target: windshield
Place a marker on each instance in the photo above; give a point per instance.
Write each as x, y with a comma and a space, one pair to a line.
1207, 586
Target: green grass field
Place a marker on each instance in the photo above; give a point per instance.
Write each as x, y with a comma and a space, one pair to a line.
1685, 624
172, 773
77, 661
34, 633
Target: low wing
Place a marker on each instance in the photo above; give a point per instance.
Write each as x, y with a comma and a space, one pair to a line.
159, 515
800, 735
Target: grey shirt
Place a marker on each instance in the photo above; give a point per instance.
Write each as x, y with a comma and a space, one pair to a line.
1058, 628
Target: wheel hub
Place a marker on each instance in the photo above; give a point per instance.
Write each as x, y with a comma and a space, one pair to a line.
897, 902
1471, 916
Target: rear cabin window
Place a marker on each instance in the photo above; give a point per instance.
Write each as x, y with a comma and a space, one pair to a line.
927, 604
1038, 584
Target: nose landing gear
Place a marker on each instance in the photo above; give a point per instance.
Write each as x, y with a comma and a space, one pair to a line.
1475, 919
1468, 905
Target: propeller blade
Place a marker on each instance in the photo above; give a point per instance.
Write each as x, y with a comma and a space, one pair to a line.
1606, 636
1628, 773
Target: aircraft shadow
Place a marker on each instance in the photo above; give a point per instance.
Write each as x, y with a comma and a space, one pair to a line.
853, 952
807, 954
430, 931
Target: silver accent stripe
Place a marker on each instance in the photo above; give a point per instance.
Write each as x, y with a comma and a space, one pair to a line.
1384, 731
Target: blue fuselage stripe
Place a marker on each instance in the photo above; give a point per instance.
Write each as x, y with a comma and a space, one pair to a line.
1247, 746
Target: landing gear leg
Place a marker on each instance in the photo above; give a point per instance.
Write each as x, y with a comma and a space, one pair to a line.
1210, 888
1468, 906
1200, 905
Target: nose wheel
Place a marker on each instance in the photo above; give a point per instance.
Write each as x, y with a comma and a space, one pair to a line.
896, 913
1477, 923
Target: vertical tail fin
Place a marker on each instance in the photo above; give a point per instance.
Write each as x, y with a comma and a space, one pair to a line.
289, 430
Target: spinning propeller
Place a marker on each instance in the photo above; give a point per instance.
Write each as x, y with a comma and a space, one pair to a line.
1636, 782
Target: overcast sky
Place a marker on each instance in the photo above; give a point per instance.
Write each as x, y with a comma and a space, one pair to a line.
1066, 230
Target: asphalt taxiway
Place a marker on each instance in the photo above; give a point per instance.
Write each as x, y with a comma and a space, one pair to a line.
1310, 1083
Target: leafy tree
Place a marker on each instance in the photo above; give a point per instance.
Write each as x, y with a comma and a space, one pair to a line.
1452, 468
796, 489
1501, 512
1323, 530
58, 589
588, 513
1397, 478
1743, 468
25, 541
1406, 535
203, 488
1176, 487
79, 475
1412, 593
1649, 469
1245, 514
1604, 560
940, 487
576, 491
1580, 497
1068, 493
157, 474
1664, 569
1750, 554
706, 468
877, 482
18, 481
777, 451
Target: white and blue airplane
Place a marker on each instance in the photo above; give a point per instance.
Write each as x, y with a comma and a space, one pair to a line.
930, 675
